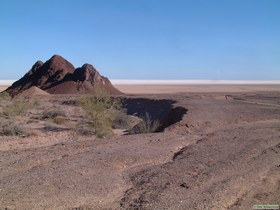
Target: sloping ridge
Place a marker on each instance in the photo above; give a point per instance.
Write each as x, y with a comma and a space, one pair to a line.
32, 91
59, 76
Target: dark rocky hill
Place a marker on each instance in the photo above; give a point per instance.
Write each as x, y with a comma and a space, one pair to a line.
59, 76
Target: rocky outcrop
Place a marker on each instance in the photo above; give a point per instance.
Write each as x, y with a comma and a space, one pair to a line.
59, 76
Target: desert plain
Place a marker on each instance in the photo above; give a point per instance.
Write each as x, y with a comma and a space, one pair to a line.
219, 148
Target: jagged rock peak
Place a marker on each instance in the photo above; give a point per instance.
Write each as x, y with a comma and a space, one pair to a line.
55, 56
86, 73
34, 68
57, 62
38, 64
88, 67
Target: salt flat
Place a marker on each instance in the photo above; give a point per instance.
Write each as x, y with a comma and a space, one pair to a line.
167, 88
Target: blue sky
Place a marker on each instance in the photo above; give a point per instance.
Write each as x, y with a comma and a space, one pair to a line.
145, 39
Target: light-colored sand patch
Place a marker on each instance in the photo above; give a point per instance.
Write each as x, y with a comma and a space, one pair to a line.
33, 91
3, 87
161, 89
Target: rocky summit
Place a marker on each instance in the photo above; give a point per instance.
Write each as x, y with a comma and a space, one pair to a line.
59, 76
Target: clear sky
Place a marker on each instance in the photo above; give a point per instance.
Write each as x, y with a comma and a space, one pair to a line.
145, 39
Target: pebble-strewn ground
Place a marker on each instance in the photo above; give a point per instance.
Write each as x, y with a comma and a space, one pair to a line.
223, 154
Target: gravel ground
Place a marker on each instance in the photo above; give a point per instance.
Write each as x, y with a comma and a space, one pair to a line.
223, 152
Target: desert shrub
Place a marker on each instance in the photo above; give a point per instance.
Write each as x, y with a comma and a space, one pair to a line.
103, 128
5, 96
121, 120
10, 128
125, 121
148, 125
53, 113
102, 111
51, 127
84, 131
59, 120
16, 107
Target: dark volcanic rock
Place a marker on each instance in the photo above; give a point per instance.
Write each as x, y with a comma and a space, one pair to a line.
59, 76
36, 66
85, 73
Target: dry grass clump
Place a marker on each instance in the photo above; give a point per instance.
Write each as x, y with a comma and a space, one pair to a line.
53, 113
148, 125
9, 109
10, 128
15, 107
125, 121
59, 120
5, 96
84, 131
121, 120
56, 115
102, 111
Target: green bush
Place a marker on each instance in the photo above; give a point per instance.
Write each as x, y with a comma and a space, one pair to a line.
102, 111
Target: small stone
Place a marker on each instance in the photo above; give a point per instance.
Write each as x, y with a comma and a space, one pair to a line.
184, 185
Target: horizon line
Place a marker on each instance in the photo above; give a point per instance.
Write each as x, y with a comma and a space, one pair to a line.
178, 82
191, 82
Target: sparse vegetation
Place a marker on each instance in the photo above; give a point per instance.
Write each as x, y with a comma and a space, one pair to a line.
5, 96
10, 128
102, 111
59, 120
15, 107
56, 115
148, 125
125, 121
53, 113
84, 130
121, 120
10, 108
51, 127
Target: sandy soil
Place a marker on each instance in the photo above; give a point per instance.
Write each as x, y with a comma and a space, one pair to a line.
3, 87
218, 151
161, 89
